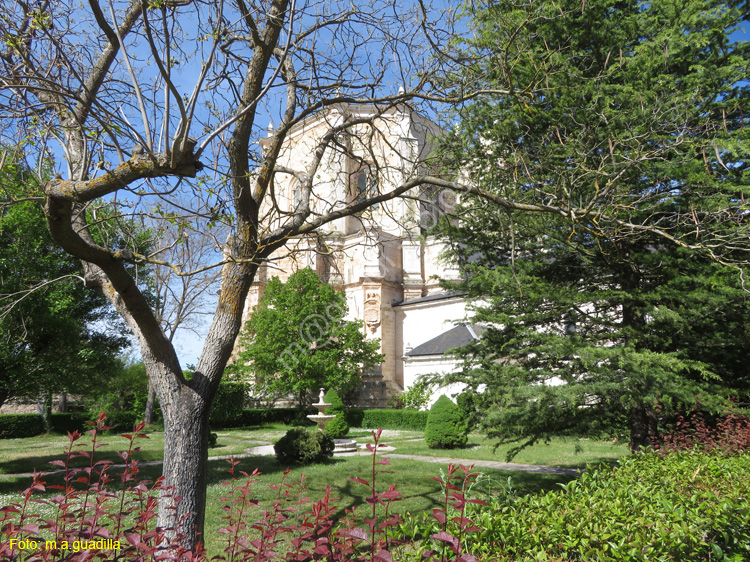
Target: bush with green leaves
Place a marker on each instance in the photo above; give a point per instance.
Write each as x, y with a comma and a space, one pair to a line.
338, 427
684, 506
300, 446
446, 427
227, 408
409, 420
416, 397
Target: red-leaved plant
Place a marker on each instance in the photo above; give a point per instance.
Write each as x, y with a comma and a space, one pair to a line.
729, 434
93, 506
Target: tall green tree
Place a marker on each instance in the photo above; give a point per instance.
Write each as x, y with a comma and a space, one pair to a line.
55, 335
297, 341
622, 125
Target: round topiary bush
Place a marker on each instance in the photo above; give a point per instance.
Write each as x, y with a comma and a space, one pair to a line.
446, 427
337, 428
300, 446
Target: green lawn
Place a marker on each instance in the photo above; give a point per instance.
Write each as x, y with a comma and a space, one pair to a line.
412, 478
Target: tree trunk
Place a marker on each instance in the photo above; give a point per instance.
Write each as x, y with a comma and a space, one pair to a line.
62, 403
44, 407
148, 415
643, 426
185, 467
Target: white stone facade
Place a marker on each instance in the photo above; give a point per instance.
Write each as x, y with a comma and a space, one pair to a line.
379, 257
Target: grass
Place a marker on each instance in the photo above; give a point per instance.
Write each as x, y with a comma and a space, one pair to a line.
25, 455
412, 478
564, 451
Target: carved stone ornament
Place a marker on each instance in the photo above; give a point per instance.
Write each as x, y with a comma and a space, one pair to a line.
372, 310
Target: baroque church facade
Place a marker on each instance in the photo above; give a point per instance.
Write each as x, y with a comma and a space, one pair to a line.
381, 259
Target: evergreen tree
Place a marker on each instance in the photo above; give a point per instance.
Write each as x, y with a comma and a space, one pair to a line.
634, 110
446, 428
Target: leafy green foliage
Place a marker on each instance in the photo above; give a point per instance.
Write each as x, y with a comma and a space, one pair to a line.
685, 506
446, 428
338, 427
300, 446
227, 408
123, 396
13, 426
261, 416
297, 340
632, 113
412, 420
416, 397
55, 334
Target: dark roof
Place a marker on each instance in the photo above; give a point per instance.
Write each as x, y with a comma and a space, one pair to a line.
432, 297
455, 337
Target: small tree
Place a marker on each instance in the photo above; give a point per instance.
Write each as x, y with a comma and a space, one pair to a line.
337, 427
297, 340
446, 428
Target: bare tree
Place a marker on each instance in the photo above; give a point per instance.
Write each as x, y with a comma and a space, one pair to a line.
146, 112
183, 302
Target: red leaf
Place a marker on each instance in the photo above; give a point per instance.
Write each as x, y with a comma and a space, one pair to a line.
466, 558
442, 536
391, 495
439, 515
31, 528
356, 533
360, 480
383, 555
133, 538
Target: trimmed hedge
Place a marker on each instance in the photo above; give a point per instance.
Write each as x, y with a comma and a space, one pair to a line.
226, 411
446, 428
302, 446
70, 422
412, 420
260, 416
338, 427
15, 426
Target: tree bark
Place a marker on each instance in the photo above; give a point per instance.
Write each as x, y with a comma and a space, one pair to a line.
185, 467
643, 426
62, 403
148, 415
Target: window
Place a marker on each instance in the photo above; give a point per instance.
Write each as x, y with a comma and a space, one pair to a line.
295, 192
367, 185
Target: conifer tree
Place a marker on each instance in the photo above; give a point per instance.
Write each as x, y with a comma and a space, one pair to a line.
637, 112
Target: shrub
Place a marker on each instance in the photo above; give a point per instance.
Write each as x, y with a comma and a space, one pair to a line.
261, 416
226, 410
122, 421
300, 446
412, 420
446, 428
683, 506
338, 427
417, 396
69, 422
728, 434
14, 426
